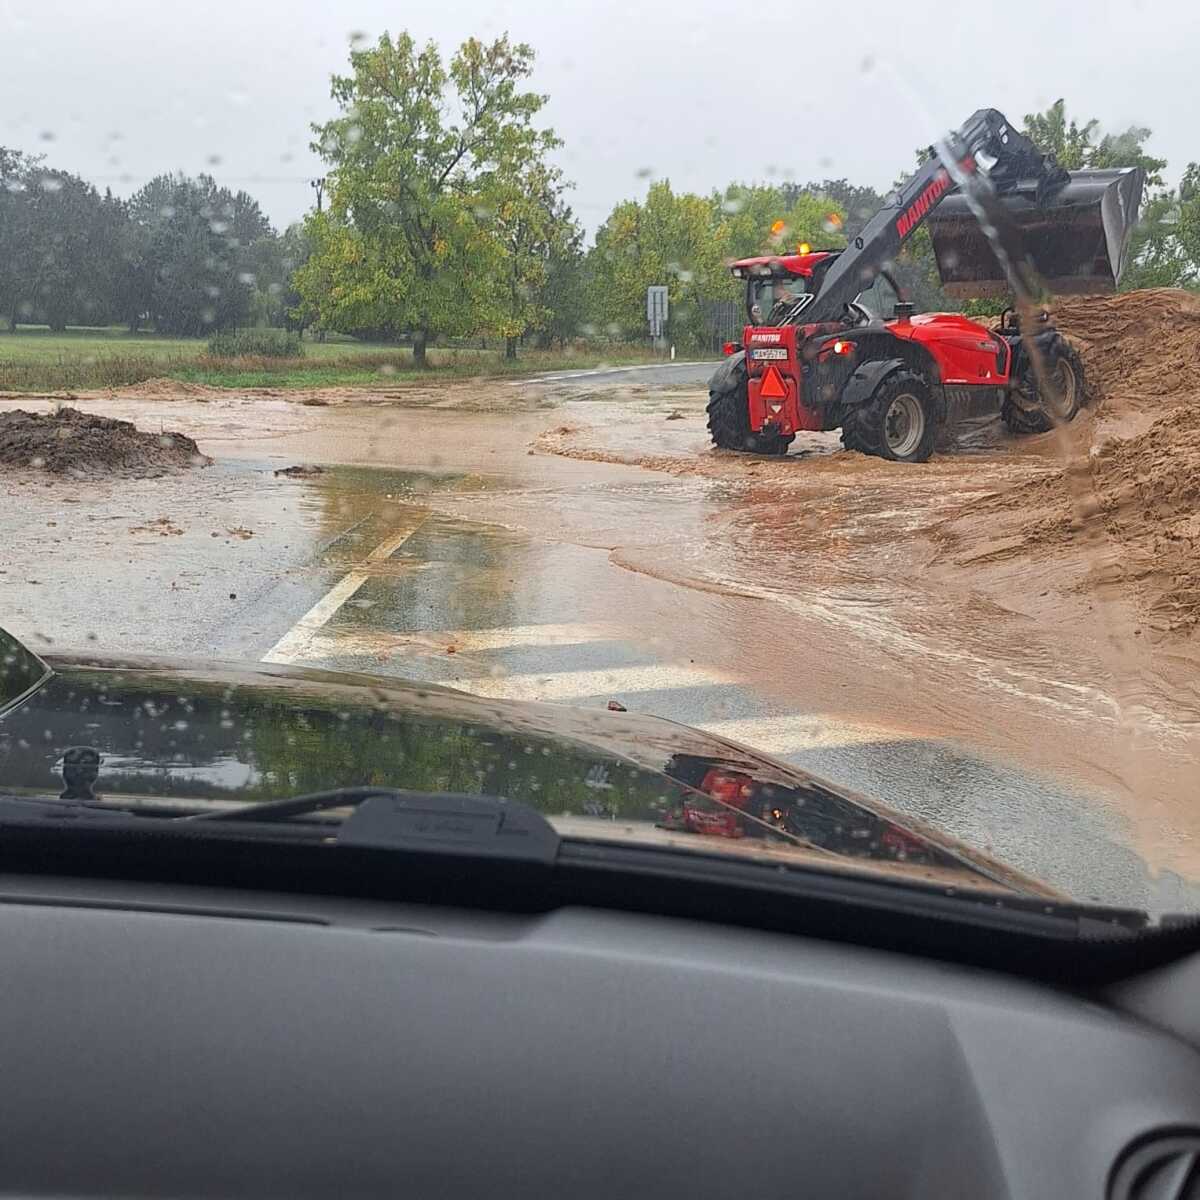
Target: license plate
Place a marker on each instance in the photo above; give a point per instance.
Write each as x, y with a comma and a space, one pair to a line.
766, 352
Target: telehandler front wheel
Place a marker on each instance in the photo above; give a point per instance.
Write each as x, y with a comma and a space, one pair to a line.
1032, 408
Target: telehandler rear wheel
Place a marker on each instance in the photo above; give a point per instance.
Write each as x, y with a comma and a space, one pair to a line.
729, 422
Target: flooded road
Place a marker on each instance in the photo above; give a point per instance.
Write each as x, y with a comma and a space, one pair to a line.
644, 375
600, 553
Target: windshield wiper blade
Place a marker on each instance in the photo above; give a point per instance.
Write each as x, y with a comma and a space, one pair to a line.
429, 822
299, 806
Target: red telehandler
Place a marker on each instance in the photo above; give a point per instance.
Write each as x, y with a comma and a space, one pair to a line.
1004, 218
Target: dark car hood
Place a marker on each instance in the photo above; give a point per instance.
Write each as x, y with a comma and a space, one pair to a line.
171, 731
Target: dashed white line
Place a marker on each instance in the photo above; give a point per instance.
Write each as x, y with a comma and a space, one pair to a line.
571, 685
297, 642
521, 635
792, 732
434, 643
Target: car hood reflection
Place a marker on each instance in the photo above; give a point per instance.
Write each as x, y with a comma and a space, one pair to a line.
175, 732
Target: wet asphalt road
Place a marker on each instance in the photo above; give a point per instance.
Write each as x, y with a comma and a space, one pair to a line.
666, 374
364, 569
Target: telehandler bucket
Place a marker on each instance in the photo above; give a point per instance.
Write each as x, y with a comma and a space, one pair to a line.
1077, 239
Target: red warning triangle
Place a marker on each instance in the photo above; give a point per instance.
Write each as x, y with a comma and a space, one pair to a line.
772, 385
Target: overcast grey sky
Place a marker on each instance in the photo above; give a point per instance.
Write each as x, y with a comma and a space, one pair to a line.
698, 91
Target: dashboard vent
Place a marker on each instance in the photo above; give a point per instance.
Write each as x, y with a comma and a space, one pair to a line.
1164, 1167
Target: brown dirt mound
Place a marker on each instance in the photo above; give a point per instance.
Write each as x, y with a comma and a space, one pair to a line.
168, 389
1140, 349
70, 442
1148, 490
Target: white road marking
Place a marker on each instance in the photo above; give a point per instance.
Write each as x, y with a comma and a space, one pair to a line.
781, 735
790, 733
297, 642
618, 682
521, 635
433, 643
605, 371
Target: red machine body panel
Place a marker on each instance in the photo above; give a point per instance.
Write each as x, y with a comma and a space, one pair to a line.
773, 380
794, 264
965, 352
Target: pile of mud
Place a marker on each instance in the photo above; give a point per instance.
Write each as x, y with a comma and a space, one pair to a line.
1141, 352
70, 442
1148, 490
163, 388
1139, 349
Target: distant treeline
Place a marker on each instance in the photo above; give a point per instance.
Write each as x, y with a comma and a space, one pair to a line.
182, 256
445, 218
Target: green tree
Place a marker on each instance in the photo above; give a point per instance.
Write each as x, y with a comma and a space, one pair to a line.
1187, 225
270, 263
292, 251
57, 267
1069, 142
754, 219
415, 155
857, 204
673, 239
15, 171
530, 224
1127, 149
61, 245
347, 282
115, 264
1164, 250
1159, 254
1075, 146
564, 291
194, 249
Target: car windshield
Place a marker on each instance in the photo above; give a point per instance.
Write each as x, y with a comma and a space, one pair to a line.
391, 396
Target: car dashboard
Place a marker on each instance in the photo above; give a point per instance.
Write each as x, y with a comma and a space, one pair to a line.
169, 1041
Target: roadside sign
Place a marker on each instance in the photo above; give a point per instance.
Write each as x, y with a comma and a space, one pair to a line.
656, 309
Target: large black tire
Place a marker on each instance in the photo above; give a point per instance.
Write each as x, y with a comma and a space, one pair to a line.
899, 422
729, 420
1026, 410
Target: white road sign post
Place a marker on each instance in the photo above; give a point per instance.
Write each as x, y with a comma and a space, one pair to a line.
656, 311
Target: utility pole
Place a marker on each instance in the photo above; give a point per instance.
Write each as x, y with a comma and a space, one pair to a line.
318, 186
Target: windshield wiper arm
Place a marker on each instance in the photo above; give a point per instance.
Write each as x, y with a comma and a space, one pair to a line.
298, 806
430, 822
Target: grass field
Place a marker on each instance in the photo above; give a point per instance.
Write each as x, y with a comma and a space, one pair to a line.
36, 360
